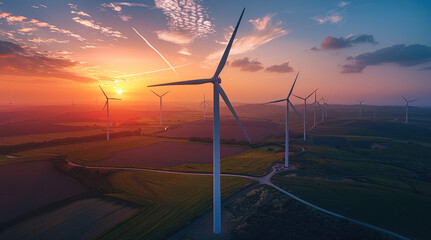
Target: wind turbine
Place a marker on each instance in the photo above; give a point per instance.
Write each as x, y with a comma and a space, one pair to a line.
325, 102
161, 97
323, 108
316, 103
107, 111
217, 91
360, 107
204, 103
305, 112
286, 150
407, 108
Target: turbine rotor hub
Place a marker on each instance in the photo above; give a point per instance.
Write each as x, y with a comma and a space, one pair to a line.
216, 80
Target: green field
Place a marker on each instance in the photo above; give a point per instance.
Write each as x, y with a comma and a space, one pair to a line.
373, 174
168, 201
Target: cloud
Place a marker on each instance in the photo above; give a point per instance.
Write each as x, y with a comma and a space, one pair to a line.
117, 7
426, 69
26, 23
188, 19
401, 54
264, 31
333, 43
173, 37
334, 15
27, 29
81, 13
16, 60
282, 68
39, 6
47, 41
185, 51
246, 65
105, 30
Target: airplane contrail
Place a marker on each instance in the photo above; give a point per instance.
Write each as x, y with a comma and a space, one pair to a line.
159, 70
149, 44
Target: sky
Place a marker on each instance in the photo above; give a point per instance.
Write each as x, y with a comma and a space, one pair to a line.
60, 51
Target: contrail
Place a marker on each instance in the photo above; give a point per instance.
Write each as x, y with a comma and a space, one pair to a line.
159, 70
149, 44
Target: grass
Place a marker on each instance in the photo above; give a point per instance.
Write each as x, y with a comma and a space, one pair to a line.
254, 162
87, 151
388, 186
168, 202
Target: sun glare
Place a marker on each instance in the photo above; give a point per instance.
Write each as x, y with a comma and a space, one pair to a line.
119, 91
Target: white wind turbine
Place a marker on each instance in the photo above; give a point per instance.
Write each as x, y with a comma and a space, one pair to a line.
325, 103
204, 103
107, 111
217, 91
316, 103
323, 108
286, 150
360, 107
305, 112
407, 108
161, 101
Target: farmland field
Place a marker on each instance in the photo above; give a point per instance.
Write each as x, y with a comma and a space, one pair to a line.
168, 154
28, 186
82, 219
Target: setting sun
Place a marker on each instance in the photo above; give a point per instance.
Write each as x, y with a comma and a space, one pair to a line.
119, 91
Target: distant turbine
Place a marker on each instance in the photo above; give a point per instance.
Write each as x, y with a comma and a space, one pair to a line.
107, 111
316, 103
407, 108
305, 112
286, 150
204, 103
161, 101
360, 107
322, 105
218, 91
326, 107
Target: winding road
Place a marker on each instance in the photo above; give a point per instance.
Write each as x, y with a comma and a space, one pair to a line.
265, 180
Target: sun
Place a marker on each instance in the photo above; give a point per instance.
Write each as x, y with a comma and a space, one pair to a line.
119, 91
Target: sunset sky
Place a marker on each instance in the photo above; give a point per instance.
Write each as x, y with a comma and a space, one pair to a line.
57, 51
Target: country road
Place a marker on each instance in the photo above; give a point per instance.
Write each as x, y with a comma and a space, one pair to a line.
265, 180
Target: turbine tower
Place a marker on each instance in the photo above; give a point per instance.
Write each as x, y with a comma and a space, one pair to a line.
305, 112
325, 102
407, 108
217, 91
204, 103
286, 150
107, 111
360, 107
316, 103
161, 101
323, 108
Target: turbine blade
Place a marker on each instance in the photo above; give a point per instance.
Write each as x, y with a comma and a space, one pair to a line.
165, 93
226, 100
190, 82
228, 47
295, 110
293, 85
106, 103
115, 98
298, 97
276, 101
311, 94
103, 92
413, 100
404, 98
155, 93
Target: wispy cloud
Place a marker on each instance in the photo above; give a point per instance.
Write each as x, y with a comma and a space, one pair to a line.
81, 13
402, 55
24, 22
333, 16
17, 60
148, 72
264, 31
187, 20
118, 8
50, 40
39, 6
104, 30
